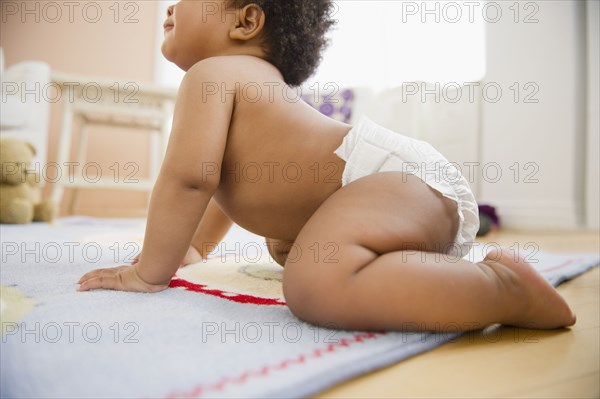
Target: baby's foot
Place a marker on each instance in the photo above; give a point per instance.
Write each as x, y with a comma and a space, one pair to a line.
535, 303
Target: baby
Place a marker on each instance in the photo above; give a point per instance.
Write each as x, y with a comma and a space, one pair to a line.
370, 225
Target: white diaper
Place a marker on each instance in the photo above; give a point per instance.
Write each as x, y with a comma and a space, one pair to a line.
369, 148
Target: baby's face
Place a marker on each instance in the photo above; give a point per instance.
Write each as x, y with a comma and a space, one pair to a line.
195, 30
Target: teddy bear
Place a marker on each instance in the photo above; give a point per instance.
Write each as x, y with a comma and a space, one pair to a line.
20, 197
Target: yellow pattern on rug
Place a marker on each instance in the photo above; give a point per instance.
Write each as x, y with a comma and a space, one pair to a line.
13, 306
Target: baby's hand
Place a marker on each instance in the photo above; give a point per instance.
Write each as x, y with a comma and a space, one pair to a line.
122, 278
192, 256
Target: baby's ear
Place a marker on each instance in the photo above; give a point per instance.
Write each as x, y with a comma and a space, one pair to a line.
249, 23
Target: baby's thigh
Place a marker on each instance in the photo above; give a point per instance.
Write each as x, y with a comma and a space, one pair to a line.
365, 219
383, 212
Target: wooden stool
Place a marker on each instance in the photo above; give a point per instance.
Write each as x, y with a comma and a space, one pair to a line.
88, 102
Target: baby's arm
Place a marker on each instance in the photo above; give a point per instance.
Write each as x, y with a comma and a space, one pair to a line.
213, 227
184, 187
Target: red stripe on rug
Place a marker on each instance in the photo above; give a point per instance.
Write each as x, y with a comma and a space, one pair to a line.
265, 370
567, 263
240, 298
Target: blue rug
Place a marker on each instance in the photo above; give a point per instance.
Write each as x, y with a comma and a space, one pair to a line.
222, 330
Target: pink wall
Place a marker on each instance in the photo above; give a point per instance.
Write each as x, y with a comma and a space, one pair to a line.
105, 39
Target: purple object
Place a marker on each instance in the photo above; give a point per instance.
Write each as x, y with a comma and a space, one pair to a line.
348, 95
490, 212
336, 105
326, 109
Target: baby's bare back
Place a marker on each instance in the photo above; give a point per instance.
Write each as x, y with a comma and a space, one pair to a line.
279, 164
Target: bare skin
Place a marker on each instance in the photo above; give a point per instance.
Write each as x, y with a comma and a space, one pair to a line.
369, 255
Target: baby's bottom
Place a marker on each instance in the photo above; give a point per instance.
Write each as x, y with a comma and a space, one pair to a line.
371, 258
369, 148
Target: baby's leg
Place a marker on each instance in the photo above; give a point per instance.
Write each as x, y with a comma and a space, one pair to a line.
360, 263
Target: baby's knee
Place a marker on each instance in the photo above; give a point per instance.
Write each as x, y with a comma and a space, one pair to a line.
315, 301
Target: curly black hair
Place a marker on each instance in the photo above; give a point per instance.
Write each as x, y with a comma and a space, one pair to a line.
294, 35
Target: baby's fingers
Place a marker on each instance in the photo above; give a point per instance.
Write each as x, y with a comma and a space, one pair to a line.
107, 282
101, 278
90, 275
122, 278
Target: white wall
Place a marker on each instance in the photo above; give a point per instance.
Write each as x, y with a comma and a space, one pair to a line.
593, 117
382, 44
543, 141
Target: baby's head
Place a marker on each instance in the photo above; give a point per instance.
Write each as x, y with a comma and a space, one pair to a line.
293, 35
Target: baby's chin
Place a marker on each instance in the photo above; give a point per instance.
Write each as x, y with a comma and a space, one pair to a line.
165, 51
169, 56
